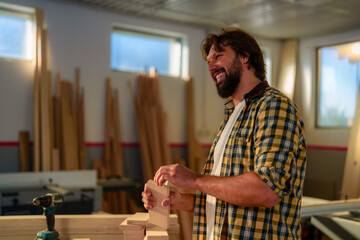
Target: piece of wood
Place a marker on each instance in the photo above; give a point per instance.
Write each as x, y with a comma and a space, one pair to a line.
39, 16
51, 119
24, 151
351, 177
57, 121
80, 120
108, 129
148, 173
159, 215
45, 113
68, 129
126, 226
139, 218
156, 234
55, 159
117, 150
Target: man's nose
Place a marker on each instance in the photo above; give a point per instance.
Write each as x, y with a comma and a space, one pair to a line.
211, 66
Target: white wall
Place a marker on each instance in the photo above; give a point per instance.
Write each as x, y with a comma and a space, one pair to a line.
305, 95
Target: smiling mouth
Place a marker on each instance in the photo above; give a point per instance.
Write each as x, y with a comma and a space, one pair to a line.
219, 76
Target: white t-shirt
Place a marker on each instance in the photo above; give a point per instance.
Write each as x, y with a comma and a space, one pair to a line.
218, 157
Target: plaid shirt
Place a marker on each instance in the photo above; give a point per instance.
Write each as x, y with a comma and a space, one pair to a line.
268, 139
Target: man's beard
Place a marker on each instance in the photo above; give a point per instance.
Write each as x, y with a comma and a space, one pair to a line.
227, 87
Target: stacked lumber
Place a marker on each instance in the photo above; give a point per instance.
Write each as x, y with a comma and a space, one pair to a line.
65, 148
58, 122
94, 227
112, 165
151, 122
138, 227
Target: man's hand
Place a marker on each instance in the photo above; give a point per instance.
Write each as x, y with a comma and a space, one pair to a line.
177, 201
177, 174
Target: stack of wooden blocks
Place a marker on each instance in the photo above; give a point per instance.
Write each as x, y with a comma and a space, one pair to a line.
138, 227
154, 224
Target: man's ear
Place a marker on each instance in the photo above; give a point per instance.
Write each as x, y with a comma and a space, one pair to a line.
245, 58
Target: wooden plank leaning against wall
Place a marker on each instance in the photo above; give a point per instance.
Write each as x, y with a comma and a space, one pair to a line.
58, 122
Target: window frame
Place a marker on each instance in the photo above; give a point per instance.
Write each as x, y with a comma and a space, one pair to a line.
26, 13
151, 32
318, 84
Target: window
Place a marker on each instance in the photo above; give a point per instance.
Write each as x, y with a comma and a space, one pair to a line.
338, 84
135, 51
16, 32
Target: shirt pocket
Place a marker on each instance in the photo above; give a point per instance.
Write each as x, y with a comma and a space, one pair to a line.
243, 154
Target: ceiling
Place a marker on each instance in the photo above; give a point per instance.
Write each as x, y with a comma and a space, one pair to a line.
264, 18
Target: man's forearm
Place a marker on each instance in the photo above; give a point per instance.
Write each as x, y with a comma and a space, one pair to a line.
247, 190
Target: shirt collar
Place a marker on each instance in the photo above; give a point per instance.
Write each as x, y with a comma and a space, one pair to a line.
257, 91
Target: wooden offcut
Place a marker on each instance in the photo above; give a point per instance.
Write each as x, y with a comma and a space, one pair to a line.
24, 151
159, 215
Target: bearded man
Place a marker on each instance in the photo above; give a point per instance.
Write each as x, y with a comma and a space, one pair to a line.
252, 182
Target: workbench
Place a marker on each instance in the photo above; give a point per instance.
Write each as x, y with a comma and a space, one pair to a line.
71, 227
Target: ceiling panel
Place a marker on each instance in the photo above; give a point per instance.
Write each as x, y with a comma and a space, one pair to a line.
266, 18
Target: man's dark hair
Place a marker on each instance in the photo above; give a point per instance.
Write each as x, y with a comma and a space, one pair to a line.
242, 43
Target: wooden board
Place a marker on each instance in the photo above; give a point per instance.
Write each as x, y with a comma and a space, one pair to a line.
24, 151
45, 114
39, 15
159, 215
351, 177
148, 173
80, 120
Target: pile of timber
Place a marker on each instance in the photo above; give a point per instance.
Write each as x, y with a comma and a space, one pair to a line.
111, 167
70, 227
58, 120
151, 122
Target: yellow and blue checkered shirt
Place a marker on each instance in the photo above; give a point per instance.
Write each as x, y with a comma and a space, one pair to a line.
267, 139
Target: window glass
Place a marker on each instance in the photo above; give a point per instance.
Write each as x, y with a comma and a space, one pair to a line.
16, 35
338, 83
137, 52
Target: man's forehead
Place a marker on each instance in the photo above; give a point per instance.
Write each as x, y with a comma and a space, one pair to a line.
214, 49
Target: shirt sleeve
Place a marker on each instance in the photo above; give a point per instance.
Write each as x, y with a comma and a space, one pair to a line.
276, 138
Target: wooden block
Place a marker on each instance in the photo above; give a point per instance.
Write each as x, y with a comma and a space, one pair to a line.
139, 218
132, 231
125, 226
159, 215
156, 233
134, 234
